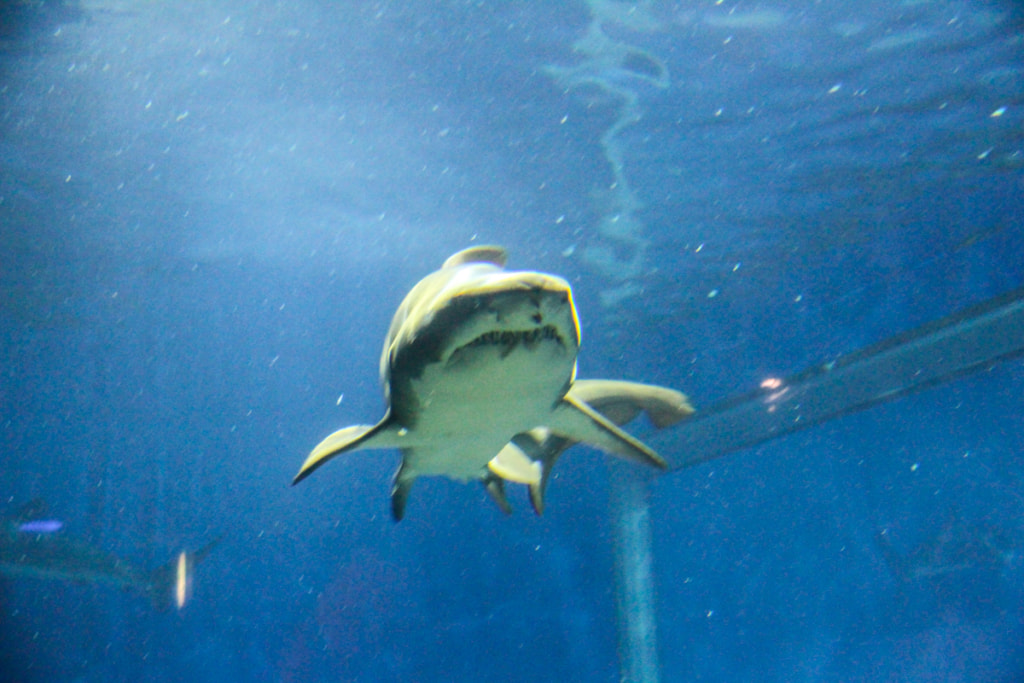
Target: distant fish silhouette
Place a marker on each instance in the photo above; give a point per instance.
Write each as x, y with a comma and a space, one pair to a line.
959, 546
37, 549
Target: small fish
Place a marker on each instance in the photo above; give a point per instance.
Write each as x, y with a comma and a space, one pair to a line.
41, 526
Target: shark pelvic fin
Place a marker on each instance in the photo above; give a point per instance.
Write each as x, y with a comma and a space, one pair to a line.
400, 487
495, 487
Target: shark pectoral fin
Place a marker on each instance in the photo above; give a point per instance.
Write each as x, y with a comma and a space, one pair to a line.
611, 398
495, 486
347, 439
622, 401
513, 464
665, 407
573, 419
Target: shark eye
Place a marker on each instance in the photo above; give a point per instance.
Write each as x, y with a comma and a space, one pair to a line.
538, 318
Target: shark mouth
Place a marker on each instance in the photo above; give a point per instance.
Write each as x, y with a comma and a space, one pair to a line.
509, 340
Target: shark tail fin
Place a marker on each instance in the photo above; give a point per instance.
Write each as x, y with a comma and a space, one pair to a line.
543, 447
528, 459
171, 584
548, 451
575, 420
342, 441
513, 464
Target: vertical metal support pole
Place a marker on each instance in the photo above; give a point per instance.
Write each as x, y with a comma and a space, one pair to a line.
635, 599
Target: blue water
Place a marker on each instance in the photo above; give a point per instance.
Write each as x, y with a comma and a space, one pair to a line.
210, 210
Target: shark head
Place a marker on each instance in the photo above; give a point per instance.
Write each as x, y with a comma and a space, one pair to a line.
472, 332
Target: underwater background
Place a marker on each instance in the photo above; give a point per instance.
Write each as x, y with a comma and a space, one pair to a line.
209, 211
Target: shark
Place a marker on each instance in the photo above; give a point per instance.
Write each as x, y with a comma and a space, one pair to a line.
474, 356
30, 549
959, 546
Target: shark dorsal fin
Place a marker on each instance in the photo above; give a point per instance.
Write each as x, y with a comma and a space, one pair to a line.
488, 253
